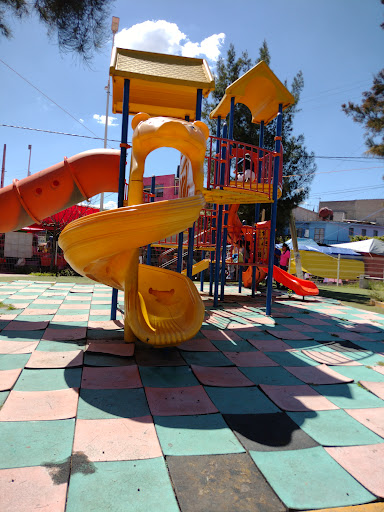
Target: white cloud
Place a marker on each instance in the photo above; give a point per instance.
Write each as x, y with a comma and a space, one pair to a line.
101, 120
81, 121
164, 37
110, 205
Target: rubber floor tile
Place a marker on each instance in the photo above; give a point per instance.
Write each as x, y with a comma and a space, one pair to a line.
270, 345
218, 335
122, 377
297, 398
8, 378
234, 346
3, 396
112, 439
139, 486
106, 325
370, 418
270, 375
71, 318
36, 312
371, 346
13, 361
167, 377
207, 359
365, 463
146, 355
99, 359
49, 380
332, 358
8, 316
221, 483
378, 369
377, 388
17, 325
60, 345
95, 404
180, 401
35, 443
291, 358
75, 307
55, 359
221, 377
17, 347
334, 428
350, 396
288, 334
312, 479
40, 405
357, 373
117, 349
241, 400
250, 359
54, 301
198, 344
31, 489
75, 333
321, 374
268, 432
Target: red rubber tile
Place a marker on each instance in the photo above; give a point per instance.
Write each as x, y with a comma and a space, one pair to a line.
76, 306
40, 359
250, 359
40, 405
297, 398
8, 378
120, 377
47, 301
364, 463
71, 318
30, 311
371, 418
17, 347
8, 317
218, 335
350, 336
76, 333
199, 344
321, 374
221, 376
377, 388
331, 358
109, 325
379, 369
288, 335
270, 345
313, 321
111, 439
31, 489
302, 328
179, 401
116, 349
243, 327
17, 325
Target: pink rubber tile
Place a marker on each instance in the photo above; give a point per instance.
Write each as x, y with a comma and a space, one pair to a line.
250, 359
181, 401
31, 311
109, 325
270, 345
371, 418
116, 349
40, 359
379, 369
47, 301
8, 317
362, 328
364, 463
98, 312
330, 358
17, 347
377, 388
120, 377
101, 301
297, 398
31, 489
321, 374
303, 328
112, 439
350, 336
219, 335
221, 377
313, 321
76, 306
17, 325
71, 318
243, 327
76, 333
288, 335
198, 344
8, 378
40, 405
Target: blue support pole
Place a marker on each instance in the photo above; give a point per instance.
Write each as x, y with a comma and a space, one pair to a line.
257, 206
180, 253
149, 248
202, 273
272, 237
218, 223
225, 230
123, 159
254, 268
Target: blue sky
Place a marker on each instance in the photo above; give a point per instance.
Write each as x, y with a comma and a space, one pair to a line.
337, 44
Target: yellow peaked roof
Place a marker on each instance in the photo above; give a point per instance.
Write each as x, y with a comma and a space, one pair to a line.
260, 90
160, 85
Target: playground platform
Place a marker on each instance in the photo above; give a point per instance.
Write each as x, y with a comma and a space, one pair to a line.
257, 413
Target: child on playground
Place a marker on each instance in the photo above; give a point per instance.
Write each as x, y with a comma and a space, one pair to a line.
284, 262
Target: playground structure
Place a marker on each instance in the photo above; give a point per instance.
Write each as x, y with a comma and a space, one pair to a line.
164, 93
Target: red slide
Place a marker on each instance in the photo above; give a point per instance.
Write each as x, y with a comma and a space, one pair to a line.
298, 286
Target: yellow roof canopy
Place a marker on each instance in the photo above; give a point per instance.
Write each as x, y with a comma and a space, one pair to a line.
160, 84
260, 90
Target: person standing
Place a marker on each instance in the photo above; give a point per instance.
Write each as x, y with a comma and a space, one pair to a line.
284, 257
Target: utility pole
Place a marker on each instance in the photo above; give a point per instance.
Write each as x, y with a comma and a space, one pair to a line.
3, 166
295, 246
29, 162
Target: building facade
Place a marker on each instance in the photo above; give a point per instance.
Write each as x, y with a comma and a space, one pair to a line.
166, 187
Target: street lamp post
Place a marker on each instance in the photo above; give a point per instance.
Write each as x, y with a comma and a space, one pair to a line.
29, 162
114, 28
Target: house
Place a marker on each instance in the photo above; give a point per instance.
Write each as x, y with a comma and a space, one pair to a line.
166, 187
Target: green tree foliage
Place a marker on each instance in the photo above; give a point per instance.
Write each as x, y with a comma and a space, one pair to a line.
298, 164
80, 25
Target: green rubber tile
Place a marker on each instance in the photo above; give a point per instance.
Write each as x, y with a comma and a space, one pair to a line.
48, 379
349, 396
13, 361
206, 434
240, 400
135, 485
34, 305
60, 345
35, 443
34, 318
369, 360
21, 335
300, 345
293, 358
311, 479
234, 346
54, 324
107, 307
167, 377
3, 397
334, 428
112, 403
255, 335
275, 375
206, 359
358, 373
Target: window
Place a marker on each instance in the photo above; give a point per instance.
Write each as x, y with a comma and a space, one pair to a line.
176, 191
375, 232
350, 232
300, 232
363, 232
319, 235
160, 190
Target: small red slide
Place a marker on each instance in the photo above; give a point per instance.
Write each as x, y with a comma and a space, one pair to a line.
299, 286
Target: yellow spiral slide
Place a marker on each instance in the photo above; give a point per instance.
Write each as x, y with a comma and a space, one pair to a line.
162, 308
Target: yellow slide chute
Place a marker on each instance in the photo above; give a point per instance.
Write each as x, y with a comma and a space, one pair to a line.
162, 307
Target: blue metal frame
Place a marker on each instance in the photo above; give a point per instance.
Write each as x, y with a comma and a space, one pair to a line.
149, 248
